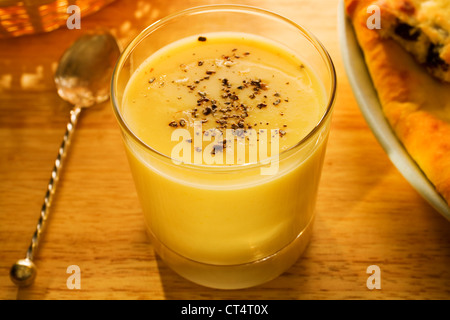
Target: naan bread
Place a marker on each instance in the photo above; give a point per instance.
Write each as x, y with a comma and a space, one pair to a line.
422, 27
416, 104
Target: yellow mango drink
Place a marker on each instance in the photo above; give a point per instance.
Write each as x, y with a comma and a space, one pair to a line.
225, 136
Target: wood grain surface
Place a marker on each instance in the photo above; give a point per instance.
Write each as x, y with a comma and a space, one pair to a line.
367, 213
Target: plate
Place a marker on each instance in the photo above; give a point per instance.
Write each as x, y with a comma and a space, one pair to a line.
369, 104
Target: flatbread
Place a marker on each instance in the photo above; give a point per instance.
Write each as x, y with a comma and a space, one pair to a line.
416, 104
422, 27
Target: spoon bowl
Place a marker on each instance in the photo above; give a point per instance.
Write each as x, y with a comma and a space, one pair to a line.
84, 71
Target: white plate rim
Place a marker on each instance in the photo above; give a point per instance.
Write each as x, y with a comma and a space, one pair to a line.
369, 105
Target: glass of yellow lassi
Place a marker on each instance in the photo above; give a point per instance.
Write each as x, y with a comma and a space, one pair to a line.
225, 113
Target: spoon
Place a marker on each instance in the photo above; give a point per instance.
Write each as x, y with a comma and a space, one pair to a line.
82, 78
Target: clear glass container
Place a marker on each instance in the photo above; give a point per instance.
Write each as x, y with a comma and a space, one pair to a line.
224, 246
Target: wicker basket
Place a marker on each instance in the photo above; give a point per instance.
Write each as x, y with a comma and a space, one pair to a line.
19, 18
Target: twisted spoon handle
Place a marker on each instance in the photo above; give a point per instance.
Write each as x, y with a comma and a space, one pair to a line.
74, 115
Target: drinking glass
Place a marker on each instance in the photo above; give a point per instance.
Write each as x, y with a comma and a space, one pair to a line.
258, 225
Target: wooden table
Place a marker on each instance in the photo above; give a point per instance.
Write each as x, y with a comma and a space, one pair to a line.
367, 213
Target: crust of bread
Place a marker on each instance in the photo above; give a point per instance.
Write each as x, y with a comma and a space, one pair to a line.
416, 104
422, 27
